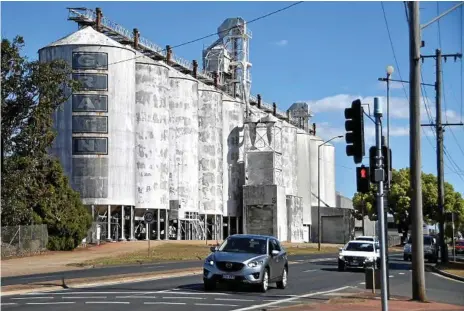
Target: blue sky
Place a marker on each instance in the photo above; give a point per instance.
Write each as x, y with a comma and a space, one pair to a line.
326, 53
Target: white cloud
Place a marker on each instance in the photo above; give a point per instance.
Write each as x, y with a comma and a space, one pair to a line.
282, 42
399, 106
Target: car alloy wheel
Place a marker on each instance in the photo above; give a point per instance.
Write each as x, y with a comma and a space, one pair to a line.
265, 282
283, 283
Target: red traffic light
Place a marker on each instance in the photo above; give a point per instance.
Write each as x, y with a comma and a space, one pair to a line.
363, 173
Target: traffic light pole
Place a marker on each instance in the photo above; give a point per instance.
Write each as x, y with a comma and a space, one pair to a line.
379, 177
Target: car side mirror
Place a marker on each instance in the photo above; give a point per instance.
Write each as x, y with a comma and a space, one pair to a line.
213, 248
274, 253
340, 249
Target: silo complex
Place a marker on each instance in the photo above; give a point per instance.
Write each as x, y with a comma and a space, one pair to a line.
150, 132
96, 128
152, 140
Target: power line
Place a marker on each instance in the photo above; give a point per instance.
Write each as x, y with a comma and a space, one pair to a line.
216, 33
393, 49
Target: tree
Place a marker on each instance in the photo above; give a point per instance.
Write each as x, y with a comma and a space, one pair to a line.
34, 187
399, 200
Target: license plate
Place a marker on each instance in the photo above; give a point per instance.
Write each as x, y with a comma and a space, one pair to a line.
228, 277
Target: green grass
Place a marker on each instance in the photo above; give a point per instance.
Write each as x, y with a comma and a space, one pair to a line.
178, 252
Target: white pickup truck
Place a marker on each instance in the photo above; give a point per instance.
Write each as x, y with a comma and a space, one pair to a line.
359, 254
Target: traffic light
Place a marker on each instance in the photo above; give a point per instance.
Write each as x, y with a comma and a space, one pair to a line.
387, 161
354, 126
362, 179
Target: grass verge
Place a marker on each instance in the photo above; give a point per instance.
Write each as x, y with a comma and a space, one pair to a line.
453, 267
180, 252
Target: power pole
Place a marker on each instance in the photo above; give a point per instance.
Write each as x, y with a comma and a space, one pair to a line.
440, 169
418, 274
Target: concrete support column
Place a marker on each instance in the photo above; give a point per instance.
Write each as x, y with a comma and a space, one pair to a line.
206, 226
108, 219
93, 213
132, 220
123, 220
166, 224
228, 226
237, 224
221, 227
179, 228
158, 224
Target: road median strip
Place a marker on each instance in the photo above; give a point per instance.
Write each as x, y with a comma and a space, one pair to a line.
452, 270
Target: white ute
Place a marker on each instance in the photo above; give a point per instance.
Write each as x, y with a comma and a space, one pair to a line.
358, 254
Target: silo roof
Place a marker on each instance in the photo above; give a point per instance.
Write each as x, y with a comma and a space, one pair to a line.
86, 36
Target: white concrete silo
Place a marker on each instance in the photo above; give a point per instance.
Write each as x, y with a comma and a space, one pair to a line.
304, 173
289, 159
183, 141
95, 141
328, 165
314, 142
152, 140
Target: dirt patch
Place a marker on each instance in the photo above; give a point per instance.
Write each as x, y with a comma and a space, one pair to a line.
453, 267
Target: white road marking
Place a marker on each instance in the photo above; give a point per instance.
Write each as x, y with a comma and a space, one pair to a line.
51, 303
93, 293
445, 277
136, 297
292, 299
215, 305
321, 259
23, 298
8, 304
85, 297
195, 293
312, 270
176, 297
362, 283
232, 299
108, 302
401, 273
164, 303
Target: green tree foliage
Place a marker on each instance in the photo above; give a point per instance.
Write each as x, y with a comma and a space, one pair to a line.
399, 201
34, 187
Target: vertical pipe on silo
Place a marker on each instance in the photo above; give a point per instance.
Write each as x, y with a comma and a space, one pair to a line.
136, 38
98, 19
195, 68
168, 54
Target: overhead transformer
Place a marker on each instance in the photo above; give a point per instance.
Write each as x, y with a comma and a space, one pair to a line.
150, 131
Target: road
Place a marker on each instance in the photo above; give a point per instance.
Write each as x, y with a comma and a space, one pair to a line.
309, 280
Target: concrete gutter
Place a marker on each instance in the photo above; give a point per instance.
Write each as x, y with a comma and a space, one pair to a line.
448, 275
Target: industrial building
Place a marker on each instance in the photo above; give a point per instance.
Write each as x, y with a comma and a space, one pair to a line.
151, 131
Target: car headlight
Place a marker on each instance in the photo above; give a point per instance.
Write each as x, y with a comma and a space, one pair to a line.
369, 259
340, 256
209, 261
253, 264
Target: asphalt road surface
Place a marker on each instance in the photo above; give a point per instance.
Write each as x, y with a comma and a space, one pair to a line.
312, 279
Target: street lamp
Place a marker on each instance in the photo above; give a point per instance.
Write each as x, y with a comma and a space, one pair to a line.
390, 71
319, 189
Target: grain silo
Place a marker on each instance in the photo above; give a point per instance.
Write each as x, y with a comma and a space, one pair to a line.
314, 143
210, 156
183, 153
304, 175
328, 165
152, 142
95, 141
289, 158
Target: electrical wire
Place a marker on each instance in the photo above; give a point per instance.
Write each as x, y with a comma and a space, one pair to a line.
393, 49
216, 33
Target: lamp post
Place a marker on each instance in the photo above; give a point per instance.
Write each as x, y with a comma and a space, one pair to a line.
319, 189
390, 71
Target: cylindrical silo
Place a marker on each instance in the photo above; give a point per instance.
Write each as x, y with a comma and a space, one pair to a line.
152, 133
183, 141
289, 159
315, 141
96, 140
233, 171
304, 173
328, 165
210, 150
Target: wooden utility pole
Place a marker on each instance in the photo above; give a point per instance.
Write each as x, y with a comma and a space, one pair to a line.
418, 274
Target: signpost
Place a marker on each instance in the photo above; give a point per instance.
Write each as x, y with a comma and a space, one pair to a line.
149, 218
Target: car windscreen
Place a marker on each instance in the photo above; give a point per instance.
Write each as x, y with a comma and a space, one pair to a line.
244, 245
360, 247
364, 239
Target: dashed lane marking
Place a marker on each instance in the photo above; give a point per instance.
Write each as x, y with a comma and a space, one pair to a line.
192, 298
108, 302
8, 304
215, 305
163, 303
233, 299
312, 270
51, 303
85, 297
29, 298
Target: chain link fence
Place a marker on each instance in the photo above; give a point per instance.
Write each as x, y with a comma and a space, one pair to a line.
23, 240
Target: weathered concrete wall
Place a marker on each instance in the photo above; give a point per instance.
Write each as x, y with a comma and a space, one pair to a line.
152, 134
183, 141
260, 168
304, 174
233, 170
343, 202
96, 130
348, 222
295, 219
289, 159
210, 150
259, 201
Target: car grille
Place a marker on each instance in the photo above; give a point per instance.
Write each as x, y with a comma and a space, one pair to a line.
351, 258
229, 266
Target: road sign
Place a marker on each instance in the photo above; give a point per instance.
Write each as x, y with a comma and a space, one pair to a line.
149, 217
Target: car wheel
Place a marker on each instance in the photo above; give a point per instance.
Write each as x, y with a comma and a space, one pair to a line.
282, 284
209, 285
341, 265
265, 282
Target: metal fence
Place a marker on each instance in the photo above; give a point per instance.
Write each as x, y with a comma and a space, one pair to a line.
23, 240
